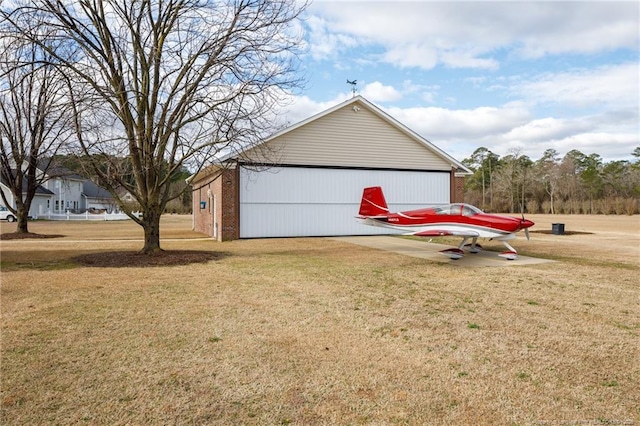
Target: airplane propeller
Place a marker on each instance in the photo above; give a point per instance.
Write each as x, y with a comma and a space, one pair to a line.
526, 230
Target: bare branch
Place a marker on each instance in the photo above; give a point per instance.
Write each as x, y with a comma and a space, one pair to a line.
167, 84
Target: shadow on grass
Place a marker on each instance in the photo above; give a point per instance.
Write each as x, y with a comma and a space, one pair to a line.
25, 236
550, 232
135, 259
115, 259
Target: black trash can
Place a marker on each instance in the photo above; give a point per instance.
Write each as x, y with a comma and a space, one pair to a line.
557, 228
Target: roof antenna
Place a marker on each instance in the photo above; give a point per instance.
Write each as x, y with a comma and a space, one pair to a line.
353, 87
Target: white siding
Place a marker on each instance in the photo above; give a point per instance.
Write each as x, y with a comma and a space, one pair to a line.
67, 192
40, 205
293, 201
8, 194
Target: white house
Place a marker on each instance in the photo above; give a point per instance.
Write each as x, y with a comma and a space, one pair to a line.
40, 204
64, 191
67, 192
308, 179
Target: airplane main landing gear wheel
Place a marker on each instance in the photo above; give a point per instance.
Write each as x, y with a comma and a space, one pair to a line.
452, 253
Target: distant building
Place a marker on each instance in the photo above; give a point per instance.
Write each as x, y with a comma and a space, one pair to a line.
97, 198
41, 203
63, 190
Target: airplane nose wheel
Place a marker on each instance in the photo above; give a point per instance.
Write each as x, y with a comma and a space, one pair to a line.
510, 254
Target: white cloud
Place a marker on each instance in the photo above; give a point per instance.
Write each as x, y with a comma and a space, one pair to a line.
612, 85
467, 59
619, 145
545, 129
324, 44
460, 132
500, 129
378, 92
440, 123
612, 141
470, 34
580, 27
299, 108
592, 104
411, 55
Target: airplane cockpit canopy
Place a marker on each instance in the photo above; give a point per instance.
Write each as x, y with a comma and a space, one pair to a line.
457, 209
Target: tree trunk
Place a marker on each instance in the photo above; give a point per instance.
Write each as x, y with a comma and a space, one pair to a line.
151, 226
23, 227
483, 191
22, 214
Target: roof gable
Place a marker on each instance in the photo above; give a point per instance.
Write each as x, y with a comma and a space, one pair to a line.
354, 133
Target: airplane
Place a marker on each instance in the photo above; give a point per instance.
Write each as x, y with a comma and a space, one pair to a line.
458, 220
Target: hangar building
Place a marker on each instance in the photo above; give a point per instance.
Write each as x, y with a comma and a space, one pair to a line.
307, 180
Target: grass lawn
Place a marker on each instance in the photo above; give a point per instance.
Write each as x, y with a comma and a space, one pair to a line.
312, 331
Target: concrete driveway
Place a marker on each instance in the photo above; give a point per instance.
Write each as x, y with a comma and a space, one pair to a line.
430, 251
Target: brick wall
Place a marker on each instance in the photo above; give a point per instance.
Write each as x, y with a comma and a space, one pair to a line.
230, 205
203, 217
456, 189
220, 217
458, 192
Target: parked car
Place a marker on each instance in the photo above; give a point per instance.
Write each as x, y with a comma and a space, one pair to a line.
5, 214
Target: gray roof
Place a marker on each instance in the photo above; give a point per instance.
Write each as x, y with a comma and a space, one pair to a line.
55, 170
39, 189
91, 190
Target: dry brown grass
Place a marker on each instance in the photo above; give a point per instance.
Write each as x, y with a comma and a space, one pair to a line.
314, 331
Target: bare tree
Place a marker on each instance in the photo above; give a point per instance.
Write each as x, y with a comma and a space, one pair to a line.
35, 121
168, 84
512, 180
549, 174
484, 160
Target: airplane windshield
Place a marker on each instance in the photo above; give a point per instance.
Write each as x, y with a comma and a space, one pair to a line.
457, 209
468, 210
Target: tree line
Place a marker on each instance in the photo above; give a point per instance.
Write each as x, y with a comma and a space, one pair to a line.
576, 183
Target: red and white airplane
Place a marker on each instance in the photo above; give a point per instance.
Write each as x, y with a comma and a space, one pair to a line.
459, 220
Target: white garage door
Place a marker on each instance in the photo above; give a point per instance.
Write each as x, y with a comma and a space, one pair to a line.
298, 201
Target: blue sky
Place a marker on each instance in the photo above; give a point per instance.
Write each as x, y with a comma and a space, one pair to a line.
512, 76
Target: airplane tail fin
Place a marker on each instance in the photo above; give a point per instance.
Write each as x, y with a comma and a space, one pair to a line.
373, 202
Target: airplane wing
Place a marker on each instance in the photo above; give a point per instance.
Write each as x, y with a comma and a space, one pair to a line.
445, 233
